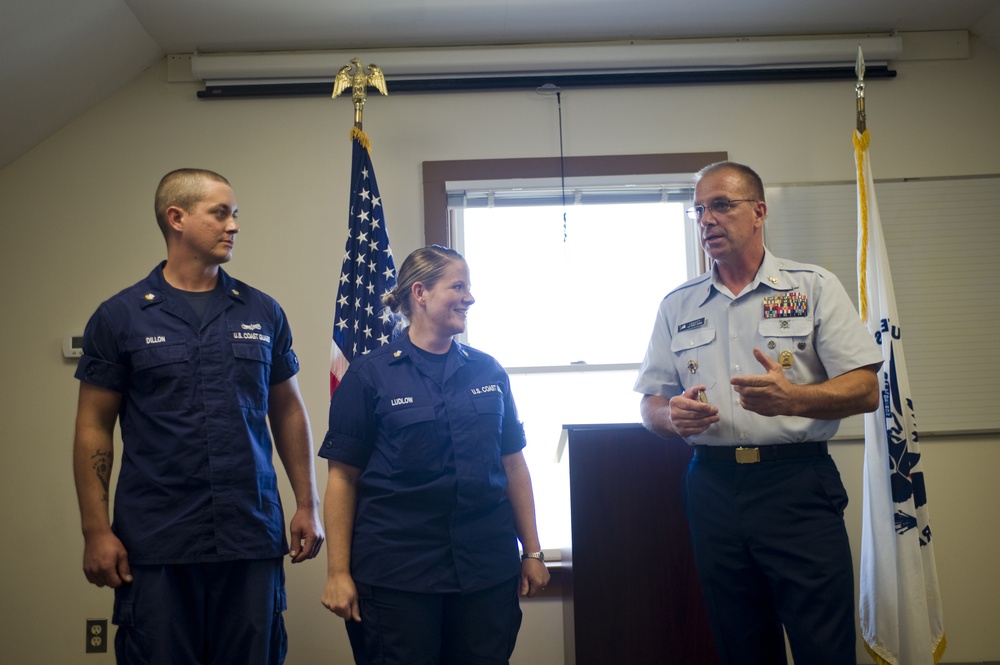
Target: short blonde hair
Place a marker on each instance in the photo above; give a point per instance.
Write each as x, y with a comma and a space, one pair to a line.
184, 188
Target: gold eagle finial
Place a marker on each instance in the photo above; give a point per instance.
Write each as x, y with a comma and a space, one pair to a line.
359, 82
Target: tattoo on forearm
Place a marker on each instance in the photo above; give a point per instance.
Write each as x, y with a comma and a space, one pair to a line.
102, 467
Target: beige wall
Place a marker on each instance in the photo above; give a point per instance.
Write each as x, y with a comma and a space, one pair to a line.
76, 225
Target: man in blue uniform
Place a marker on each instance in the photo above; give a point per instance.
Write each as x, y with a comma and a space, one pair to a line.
754, 363
193, 364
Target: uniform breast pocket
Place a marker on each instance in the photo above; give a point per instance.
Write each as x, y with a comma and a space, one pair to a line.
693, 354
160, 373
252, 373
489, 422
789, 342
412, 440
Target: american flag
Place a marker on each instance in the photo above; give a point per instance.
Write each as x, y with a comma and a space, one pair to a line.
361, 322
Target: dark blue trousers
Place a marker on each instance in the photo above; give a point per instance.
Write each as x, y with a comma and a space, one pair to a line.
772, 551
202, 614
405, 628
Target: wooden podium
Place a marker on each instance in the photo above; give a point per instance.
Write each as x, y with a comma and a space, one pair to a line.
634, 597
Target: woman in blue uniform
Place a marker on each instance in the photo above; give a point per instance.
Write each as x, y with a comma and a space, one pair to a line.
428, 491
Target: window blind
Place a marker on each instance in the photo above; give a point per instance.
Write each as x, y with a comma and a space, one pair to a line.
943, 241
490, 197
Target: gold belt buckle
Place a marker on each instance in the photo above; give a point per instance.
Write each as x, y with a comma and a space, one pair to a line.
747, 455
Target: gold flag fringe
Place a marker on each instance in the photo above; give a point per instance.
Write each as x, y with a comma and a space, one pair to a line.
938, 652
359, 135
861, 142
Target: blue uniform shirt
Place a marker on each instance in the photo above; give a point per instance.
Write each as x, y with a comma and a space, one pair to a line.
432, 511
197, 482
705, 334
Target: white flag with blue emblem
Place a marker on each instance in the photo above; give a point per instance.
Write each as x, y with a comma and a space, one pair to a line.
901, 619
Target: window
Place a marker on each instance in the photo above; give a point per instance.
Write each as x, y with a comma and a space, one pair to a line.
579, 293
567, 305
942, 238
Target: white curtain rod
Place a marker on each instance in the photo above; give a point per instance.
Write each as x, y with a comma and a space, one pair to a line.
589, 58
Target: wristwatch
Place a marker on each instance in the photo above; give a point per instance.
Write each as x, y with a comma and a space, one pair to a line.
540, 555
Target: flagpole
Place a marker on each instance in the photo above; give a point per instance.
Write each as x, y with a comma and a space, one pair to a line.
859, 69
859, 88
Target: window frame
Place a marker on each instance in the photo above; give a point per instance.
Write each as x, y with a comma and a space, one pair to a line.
436, 175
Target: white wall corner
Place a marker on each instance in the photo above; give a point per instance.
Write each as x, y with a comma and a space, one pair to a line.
179, 68
935, 45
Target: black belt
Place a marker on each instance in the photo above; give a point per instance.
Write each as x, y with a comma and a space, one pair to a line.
752, 455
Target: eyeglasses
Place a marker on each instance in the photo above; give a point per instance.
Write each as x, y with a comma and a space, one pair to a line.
718, 207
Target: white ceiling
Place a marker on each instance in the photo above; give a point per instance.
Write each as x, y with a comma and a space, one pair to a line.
60, 57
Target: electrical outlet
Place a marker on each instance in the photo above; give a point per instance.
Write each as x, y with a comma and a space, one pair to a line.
97, 635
